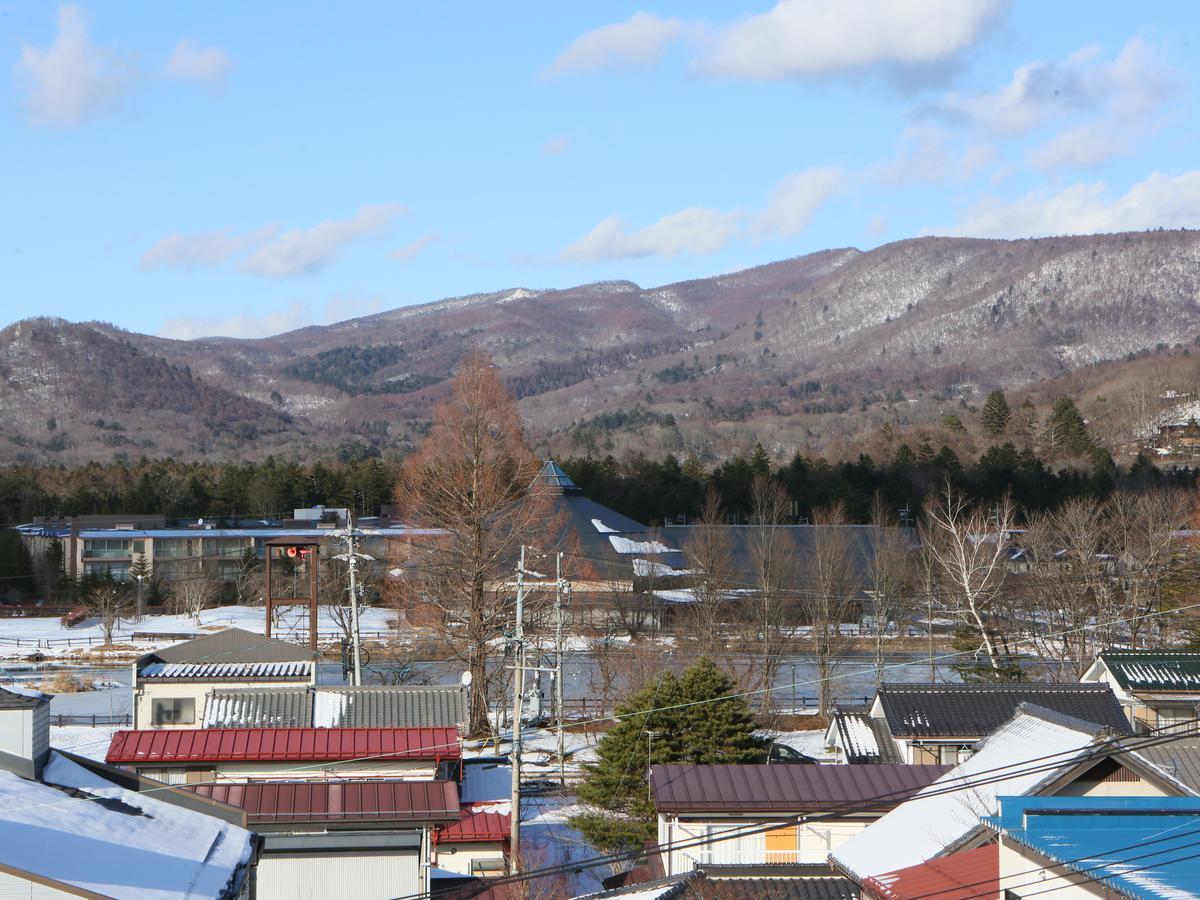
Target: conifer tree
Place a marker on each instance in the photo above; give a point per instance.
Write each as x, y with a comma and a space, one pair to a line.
1068, 429
996, 413
686, 726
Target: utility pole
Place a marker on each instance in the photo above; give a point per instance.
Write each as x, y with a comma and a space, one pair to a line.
514, 839
561, 588
352, 556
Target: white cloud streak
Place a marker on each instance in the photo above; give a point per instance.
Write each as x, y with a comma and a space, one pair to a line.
413, 249
1168, 201
638, 42
304, 251
73, 79
207, 65
795, 200
694, 230
204, 249
556, 145
296, 314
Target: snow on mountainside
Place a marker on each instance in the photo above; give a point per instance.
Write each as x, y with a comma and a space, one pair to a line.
793, 351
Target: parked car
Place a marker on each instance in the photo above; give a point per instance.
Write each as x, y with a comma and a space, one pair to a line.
782, 754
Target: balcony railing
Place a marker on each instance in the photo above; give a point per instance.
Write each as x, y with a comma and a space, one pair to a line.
702, 857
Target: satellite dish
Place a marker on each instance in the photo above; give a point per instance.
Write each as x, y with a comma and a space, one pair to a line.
466, 678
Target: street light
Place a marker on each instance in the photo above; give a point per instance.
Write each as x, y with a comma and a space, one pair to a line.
650, 735
141, 610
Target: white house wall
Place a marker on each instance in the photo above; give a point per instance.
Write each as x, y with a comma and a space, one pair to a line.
14, 887
460, 857
814, 841
362, 875
150, 690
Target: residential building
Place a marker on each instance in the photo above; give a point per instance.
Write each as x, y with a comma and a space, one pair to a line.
1037, 752
336, 706
1081, 847
703, 801
73, 827
706, 885
942, 723
182, 756
172, 686
477, 845
1156, 688
367, 839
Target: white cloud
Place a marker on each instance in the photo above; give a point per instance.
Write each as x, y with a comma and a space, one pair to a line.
296, 314
204, 249
413, 249
817, 38
693, 230
303, 251
73, 79
207, 65
1169, 201
926, 153
795, 200
556, 145
639, 41
1100, 107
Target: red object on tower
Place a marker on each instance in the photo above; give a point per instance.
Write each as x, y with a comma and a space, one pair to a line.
291, 579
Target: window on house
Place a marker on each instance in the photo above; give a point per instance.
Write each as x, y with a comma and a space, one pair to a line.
1182, 719
175, 711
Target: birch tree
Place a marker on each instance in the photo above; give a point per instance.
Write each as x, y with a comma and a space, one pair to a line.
707, 552
831, 590
890, 574
969, 549
772, 559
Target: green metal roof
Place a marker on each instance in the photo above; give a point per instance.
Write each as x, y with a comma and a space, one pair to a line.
1154, 670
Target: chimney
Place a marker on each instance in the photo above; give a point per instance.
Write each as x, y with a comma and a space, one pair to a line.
24, 731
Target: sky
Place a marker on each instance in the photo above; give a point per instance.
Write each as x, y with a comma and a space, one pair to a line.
189, 169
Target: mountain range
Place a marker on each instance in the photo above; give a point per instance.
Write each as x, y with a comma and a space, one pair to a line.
797, 353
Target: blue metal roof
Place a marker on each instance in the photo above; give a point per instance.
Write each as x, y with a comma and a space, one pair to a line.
1143, 847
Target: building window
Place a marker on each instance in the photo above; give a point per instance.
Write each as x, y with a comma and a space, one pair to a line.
177, 711
1176, 718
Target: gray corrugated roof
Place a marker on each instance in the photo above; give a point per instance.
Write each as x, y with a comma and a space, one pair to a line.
385, 706
975, 710
258, 708
227, 671
416, 706
19, 699
698, 885
232, 645
1179, 758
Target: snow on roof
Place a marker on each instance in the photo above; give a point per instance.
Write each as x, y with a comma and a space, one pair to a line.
128, 845
860, 737
939, 817
625, 545
233, 671
601, 527
644, 568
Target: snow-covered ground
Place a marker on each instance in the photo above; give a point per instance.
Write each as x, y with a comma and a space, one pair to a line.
22, 636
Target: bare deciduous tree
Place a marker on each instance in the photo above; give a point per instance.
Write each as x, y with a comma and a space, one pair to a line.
194, 593
1143, 524
473, 478
831, 590
708, 557
890, 575
970, 553
109, 601
773, 561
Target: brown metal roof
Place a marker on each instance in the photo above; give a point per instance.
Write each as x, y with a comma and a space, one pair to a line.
232, 645
786, 788
368, 800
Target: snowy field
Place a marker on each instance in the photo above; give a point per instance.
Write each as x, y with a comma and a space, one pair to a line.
22, 636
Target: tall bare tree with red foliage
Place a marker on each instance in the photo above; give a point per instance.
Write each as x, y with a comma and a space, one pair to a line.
473, 477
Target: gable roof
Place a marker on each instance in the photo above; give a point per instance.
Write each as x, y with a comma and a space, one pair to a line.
696, 885
960, 876
227, 671
121, 844
862, 737
975, 710
1030, 750
1142, 847
378, 706
784, 788
300, 745
475, 827
1178, 759
15, 697
365, 800
231, 645
1154, 670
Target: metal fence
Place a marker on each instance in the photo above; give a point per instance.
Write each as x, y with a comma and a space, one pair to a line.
92, 721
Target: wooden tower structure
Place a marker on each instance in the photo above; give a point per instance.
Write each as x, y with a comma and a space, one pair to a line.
291, 578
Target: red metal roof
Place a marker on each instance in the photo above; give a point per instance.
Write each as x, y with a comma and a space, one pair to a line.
202, 745
368, 800
786, 788
476, 826
960, 876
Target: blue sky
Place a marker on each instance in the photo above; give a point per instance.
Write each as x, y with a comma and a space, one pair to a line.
197, 168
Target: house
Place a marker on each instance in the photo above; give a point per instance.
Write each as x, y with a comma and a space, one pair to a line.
477, 844
703, 885
370, 839
942, 723
73, 827
171, 686
1139, 847
375, 706
1037, 752
703, 801
968, 875
190, 756
1156, 688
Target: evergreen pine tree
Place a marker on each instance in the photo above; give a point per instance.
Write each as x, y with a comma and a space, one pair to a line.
996, 413
759, 461
689, 729
1067, 428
